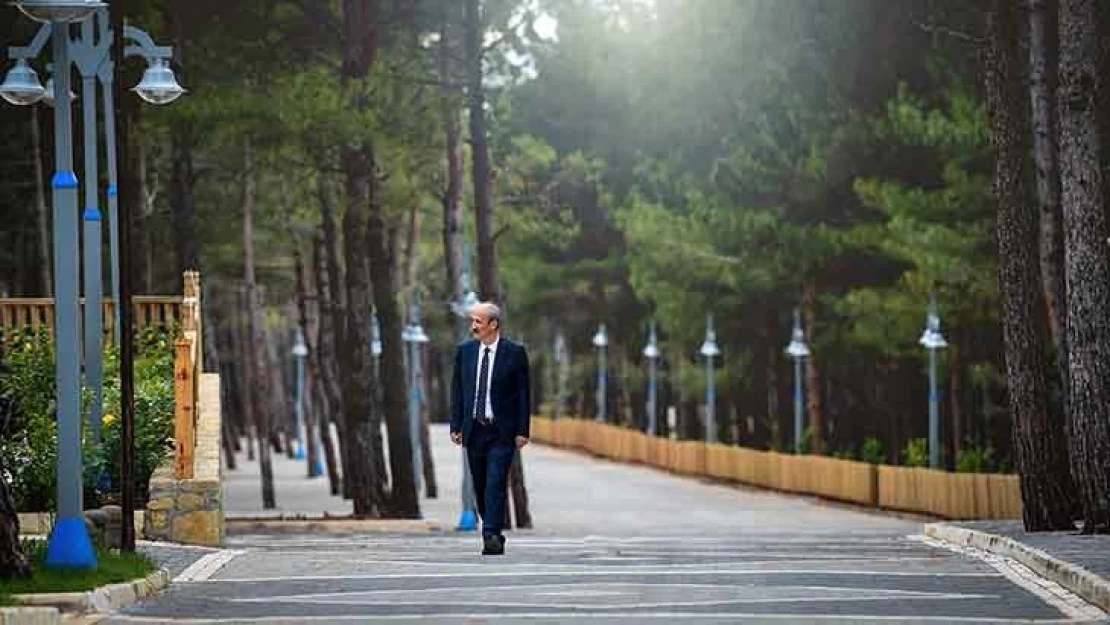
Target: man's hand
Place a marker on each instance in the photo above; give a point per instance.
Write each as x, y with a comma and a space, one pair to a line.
456, 438
521, 441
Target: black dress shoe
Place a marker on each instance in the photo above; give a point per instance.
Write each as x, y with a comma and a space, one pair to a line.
494, 546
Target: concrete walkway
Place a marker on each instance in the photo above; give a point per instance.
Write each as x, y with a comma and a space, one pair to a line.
612, 544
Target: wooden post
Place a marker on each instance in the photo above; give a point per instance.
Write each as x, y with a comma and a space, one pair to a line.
184, 409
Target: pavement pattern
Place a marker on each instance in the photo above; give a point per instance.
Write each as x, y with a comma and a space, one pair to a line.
613, 544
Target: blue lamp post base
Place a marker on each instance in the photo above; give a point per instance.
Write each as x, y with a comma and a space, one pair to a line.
468, 522
70, 546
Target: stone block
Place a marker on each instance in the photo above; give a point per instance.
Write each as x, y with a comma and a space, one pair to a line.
159, 521
187, 502
160, 504
199, 486
196, 528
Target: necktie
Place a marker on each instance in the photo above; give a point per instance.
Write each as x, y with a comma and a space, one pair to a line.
480, 402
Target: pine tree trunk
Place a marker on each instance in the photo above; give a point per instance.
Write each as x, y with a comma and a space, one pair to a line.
404, 501
328, 398
13, 562
1044, 59
955, 392
242, 356
481, 170
1039, 443
136, 195
360, 46
183, 205
256, 337
452, 193
353, 351
334, 294
1088, 266
814, 380
42, 216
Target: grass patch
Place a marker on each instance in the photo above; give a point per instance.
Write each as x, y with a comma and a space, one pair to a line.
113, 567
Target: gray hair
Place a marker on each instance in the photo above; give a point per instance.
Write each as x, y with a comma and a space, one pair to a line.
491, 310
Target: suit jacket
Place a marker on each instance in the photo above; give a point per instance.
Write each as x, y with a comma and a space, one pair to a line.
509, 390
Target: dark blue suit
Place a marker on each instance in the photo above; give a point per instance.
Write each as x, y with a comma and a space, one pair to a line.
490, 448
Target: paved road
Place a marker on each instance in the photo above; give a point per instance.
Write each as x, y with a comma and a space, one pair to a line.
614, 544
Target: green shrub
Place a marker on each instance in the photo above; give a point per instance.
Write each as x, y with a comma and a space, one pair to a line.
29, 443
975, 460
872, 451
916, 453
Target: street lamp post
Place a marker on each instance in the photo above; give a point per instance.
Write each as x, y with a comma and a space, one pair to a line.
932, 340
798, 350
69, 544
709, 349
415, 337
601, 342
651, 352
561, 365
300, 353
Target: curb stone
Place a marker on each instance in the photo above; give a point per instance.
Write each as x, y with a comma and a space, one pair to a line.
101, 600
29, 616
333, 524
1091, 587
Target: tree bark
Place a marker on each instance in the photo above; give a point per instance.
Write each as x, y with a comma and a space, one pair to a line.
183, 204
13, 562
136, 195
1039, 443
488, 281
955, 392
360, 45
1044, 58
452, 193
333, 293
404, 501
353, 351
42, 216
256, 336
814, 380
328, 396
1088, 266
242, 351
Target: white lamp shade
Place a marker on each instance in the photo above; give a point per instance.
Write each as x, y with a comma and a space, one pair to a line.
159, 85
601, 339
59, 10
21, 86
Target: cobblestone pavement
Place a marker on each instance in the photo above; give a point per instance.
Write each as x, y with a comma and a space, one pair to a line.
614, 544
1089, 552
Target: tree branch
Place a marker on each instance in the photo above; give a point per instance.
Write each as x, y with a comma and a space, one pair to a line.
944, 30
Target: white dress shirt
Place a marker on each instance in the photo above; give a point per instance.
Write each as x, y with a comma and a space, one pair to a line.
489, 374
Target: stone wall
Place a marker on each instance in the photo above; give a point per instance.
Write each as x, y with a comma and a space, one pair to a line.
191, 511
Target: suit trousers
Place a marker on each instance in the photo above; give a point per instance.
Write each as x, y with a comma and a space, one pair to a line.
490, 459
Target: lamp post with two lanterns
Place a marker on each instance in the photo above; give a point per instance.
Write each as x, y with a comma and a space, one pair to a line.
69, 544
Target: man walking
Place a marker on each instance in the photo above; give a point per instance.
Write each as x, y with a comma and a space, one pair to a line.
490, 414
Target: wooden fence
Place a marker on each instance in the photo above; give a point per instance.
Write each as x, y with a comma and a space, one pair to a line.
182, 312
38, 313
937, 493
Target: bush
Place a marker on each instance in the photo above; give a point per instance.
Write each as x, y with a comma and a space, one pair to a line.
872, 451
916, 453
975, 460
29, 441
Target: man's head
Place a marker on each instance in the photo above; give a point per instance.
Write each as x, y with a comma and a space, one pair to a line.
485, 321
